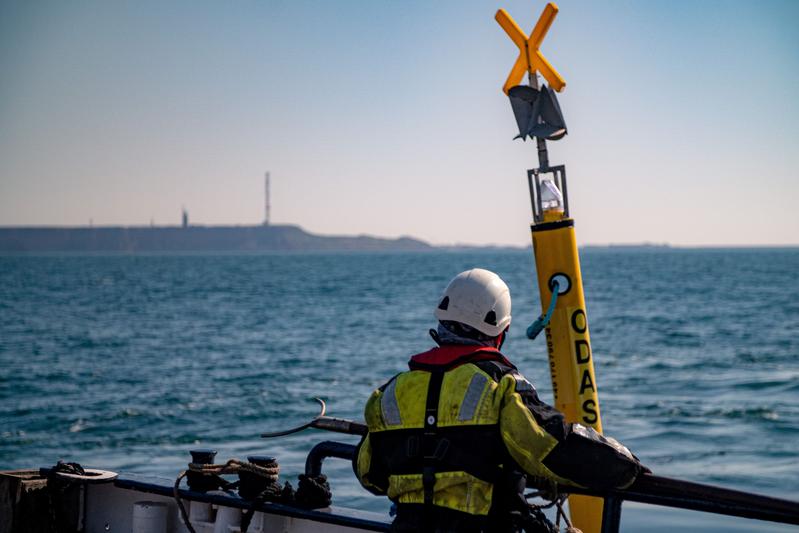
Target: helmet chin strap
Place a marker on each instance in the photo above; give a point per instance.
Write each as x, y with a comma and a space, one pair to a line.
434, 334
501, 338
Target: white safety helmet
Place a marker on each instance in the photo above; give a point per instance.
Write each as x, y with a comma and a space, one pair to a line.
478, 298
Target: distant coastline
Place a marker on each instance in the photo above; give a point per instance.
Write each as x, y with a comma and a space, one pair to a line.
630, 246
192, 238
258, 238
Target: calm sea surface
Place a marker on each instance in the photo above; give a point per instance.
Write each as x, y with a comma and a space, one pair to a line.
127, 362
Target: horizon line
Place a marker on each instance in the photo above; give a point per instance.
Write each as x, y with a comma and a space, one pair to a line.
637, 244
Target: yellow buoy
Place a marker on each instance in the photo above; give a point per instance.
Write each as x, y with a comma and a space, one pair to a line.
571, 362
555, 247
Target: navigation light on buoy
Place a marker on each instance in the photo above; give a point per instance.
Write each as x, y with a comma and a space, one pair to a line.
548, 194
551, 198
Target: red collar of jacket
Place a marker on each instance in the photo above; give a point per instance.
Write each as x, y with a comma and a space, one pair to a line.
452, 355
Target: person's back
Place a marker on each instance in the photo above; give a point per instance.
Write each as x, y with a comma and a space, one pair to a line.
451, 438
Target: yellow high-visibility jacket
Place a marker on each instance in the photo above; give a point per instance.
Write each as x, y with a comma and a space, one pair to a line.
441, 433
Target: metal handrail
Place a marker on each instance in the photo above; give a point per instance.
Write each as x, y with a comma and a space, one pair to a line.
648, 488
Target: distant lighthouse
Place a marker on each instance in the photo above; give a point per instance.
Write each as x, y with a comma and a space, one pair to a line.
185, 218
266, 200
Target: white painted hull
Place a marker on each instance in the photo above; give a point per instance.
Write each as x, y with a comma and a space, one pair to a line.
99, 502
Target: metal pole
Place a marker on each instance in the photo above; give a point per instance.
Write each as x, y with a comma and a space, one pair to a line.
266, 220
543, 155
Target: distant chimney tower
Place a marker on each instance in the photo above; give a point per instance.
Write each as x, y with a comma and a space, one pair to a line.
185, 218
266, 204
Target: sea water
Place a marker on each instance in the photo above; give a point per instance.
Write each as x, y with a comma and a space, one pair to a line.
126, 362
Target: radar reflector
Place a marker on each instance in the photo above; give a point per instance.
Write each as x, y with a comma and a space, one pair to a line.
537, 113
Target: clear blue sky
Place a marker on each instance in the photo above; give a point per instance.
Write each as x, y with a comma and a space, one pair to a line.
388, 119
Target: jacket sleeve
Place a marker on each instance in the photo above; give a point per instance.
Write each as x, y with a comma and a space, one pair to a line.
371, 470
540, 440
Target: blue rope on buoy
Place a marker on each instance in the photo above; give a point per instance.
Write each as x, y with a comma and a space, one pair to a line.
541, 322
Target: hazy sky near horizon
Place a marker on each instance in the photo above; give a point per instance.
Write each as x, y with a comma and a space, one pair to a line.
387, 118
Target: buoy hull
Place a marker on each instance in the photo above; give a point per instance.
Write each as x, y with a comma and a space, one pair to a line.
571, 360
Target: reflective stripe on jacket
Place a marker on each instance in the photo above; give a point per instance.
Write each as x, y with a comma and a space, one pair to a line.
488, 416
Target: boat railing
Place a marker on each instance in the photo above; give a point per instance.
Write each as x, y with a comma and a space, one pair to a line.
648, 489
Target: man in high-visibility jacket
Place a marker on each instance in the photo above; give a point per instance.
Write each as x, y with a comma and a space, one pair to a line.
450, 439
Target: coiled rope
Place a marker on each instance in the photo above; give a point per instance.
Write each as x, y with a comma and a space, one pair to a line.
233, 466
313, 492
548, 490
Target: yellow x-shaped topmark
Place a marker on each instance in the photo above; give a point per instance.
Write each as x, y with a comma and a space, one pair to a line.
530, 58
